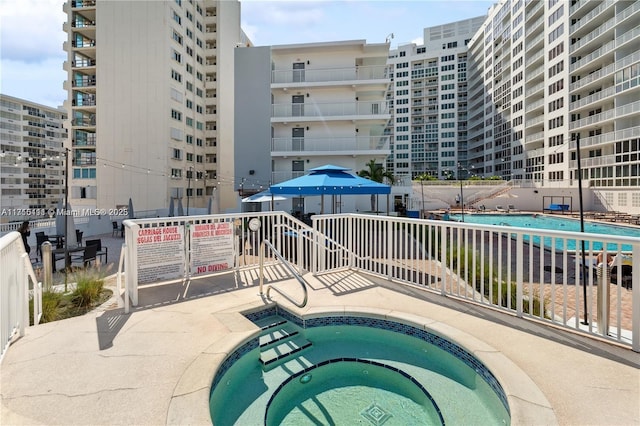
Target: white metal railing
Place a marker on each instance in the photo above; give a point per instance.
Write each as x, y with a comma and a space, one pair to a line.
310, 75
535, 274
341, 144
330, 109
18, 284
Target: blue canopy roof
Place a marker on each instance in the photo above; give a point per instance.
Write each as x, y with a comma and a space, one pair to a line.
331, 180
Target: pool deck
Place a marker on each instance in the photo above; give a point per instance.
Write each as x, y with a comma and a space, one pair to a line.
155, 365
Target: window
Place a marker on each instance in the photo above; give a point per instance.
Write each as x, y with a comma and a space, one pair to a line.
177, 18
556, 33
558, 85
177, 154
176, 56
556, 50
176, 75
189, 121
177, 37
176, 115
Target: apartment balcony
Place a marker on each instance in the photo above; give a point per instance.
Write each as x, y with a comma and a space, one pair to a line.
605, 72
539, 136
83, 63
538, 6
337, 111
83, 162
589, 17
533, 106
606, 138
616, 113
376, 74
83, 4
590, 58
341, 146
84, 81
590, 162
539, 120
85, 27
597, 36
533, 28
83, 143
591, 99
88, 101
535, 58
536, 42
84, 122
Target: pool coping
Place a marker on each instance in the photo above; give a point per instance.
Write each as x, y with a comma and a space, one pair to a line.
190, 399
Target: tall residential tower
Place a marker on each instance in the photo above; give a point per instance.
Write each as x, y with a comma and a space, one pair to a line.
149, 84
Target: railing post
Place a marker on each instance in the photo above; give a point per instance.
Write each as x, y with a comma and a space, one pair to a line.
635, 299
47, 264
519, 274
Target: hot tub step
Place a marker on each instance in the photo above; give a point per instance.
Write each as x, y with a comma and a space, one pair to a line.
283, 350
276, 334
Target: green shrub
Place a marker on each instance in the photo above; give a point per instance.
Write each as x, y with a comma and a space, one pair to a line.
51, 301
89, 285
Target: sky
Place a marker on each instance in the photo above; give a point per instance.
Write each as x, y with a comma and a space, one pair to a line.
31, 35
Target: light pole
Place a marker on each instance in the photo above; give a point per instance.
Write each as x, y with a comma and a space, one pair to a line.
461, 193
67, 260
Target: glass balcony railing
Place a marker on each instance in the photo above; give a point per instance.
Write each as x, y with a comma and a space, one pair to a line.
337, 109
375, 72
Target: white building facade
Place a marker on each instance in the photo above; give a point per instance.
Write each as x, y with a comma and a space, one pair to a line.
148, 85
32, 159
429, 98
328, 107
546, 76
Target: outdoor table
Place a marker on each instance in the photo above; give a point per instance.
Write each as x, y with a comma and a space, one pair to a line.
58, 240
69, 250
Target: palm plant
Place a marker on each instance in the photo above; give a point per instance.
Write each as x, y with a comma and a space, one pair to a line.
377, 173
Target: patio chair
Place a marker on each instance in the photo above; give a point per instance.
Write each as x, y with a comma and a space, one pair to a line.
114, 229
501, 209
512, 208
79, 237
100, 251
41, 237
88, 256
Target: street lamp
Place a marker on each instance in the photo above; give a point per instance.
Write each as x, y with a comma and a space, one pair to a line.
460, 168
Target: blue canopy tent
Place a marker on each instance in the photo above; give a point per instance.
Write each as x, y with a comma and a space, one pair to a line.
330, 180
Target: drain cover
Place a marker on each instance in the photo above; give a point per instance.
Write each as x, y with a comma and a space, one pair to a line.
375, 414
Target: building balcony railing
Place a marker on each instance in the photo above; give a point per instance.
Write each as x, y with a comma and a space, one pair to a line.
83, 3
589, 16
339, 145
83, 43
83, 63
610, 91
608, 137
84, 101
600, 31
83, 23
370, 109
83, 143
632, 108
87, 81
277, 177
84, 122
84, 161
374, 72
607, 48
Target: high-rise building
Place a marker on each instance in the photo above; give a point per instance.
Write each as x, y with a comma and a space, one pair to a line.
32, 159
547, 76
149, 85
429, 96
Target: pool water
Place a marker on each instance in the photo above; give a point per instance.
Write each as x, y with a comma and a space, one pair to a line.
407, 381
553, 223
353, 390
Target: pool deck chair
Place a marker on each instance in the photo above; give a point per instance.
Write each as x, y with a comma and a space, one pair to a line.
512, 208
501, 209
558, 208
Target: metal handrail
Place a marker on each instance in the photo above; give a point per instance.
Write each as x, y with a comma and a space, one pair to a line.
286, 264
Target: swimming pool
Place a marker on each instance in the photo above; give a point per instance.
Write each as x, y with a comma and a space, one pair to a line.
554, 223
357, 370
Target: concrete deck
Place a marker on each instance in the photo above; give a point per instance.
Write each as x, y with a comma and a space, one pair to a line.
155, 365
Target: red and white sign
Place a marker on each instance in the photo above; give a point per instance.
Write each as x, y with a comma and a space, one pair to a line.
211, 247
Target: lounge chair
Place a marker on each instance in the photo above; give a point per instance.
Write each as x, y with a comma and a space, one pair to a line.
501, 209
512, 208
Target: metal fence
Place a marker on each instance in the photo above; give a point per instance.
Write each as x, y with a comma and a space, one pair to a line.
18, 285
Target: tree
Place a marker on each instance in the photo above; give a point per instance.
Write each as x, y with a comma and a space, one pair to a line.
421, 178
377, 173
